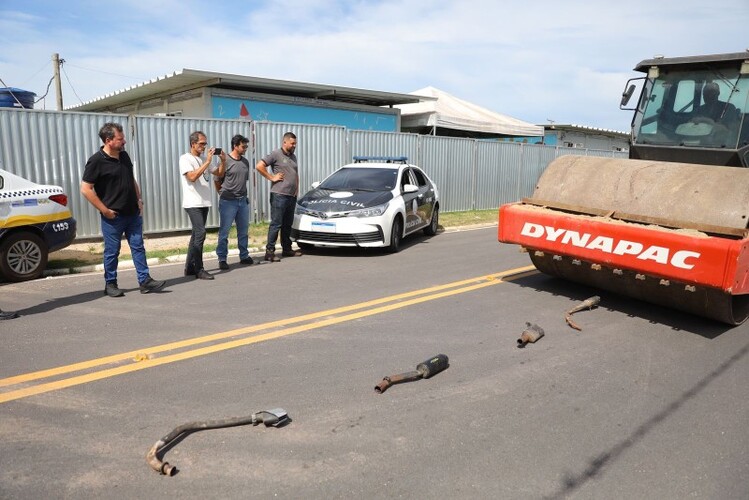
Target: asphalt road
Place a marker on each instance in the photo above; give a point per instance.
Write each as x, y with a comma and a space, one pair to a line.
644, 402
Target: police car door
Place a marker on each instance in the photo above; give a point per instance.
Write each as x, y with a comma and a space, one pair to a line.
410, 201
424, 198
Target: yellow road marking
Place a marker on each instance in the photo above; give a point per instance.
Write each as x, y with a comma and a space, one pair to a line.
369, 308
28, 377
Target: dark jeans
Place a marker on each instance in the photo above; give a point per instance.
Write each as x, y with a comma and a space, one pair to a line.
112, 230
281, 218
194, 261
238, 211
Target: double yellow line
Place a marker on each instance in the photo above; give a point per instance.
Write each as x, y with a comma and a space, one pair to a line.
117, 364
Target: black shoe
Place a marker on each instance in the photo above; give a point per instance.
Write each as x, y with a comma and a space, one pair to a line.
112, 290
271, 257
151, 285
247, 262
292, 253
203, 275
8, 315
223, 265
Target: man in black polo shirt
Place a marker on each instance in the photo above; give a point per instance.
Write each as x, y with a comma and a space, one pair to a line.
110, 186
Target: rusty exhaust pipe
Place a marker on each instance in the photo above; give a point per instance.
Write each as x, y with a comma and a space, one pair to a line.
428, 368
586, 304
530, 335
271, 418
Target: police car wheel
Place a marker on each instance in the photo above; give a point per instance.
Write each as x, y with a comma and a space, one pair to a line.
396, 234
431, 229
23, 256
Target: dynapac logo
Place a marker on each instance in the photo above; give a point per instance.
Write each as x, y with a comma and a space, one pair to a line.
683, 259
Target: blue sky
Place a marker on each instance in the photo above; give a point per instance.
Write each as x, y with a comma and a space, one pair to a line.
566, 61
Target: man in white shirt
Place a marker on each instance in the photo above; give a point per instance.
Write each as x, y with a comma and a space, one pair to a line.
196, 198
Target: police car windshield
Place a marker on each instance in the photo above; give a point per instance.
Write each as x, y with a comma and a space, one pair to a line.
361, 179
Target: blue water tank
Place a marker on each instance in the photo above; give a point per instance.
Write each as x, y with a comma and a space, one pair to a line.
10, 97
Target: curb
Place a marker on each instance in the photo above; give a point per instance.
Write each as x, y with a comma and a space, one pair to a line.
154, 261
128, 263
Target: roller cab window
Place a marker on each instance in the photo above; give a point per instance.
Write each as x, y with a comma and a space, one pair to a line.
693, 108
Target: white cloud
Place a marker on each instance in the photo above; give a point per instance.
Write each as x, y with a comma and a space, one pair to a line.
565, 61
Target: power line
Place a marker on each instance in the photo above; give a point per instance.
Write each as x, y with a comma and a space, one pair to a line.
38, 71
69, 82
106, 72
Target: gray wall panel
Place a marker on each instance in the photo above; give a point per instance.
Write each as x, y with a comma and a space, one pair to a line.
498, 168
320, 150
51, 147
158, 142
450, 163
364, 143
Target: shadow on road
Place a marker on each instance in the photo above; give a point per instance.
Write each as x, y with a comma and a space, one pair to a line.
598, 464
677, 320
406, 243
53, 304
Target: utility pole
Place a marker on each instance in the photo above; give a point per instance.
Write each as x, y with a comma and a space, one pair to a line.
58, 84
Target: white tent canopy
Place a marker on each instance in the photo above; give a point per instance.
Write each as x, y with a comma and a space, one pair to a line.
447, 111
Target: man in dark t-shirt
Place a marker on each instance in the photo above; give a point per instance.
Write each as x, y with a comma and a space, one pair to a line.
234, 203
715, 109
109, 185
283, 193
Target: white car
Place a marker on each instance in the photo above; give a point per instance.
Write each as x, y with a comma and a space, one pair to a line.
34, 220
373, 202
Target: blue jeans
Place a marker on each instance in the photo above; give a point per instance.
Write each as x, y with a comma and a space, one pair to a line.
194, 260
230, 211
281, 218
112, 230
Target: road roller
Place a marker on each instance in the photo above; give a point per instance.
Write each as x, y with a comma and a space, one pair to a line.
669, 224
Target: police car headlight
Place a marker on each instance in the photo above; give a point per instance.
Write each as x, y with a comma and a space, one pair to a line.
369, 212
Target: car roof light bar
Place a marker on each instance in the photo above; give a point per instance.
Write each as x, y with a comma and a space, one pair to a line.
384, 159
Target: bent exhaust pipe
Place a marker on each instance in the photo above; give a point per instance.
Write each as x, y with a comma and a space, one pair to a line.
585, 304
271, 418
428, 368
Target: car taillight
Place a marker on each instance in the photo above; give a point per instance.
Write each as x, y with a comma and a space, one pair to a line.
62, 199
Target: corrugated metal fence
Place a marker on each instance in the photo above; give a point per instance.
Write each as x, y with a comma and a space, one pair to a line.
51, 147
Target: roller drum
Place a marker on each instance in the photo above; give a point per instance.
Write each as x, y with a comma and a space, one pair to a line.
677, 195
702, 301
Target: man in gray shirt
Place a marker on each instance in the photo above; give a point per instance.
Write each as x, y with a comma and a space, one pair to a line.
233, 202
283, 194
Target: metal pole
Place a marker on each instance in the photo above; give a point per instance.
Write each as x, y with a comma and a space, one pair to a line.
58, 83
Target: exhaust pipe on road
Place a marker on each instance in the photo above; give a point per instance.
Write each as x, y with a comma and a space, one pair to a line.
271, 418
430, 367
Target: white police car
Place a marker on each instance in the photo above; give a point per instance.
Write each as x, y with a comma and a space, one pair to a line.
34, 220
373, 202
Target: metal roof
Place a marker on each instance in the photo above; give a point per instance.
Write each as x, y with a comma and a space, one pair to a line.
572, 126
188, 79
717, 59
